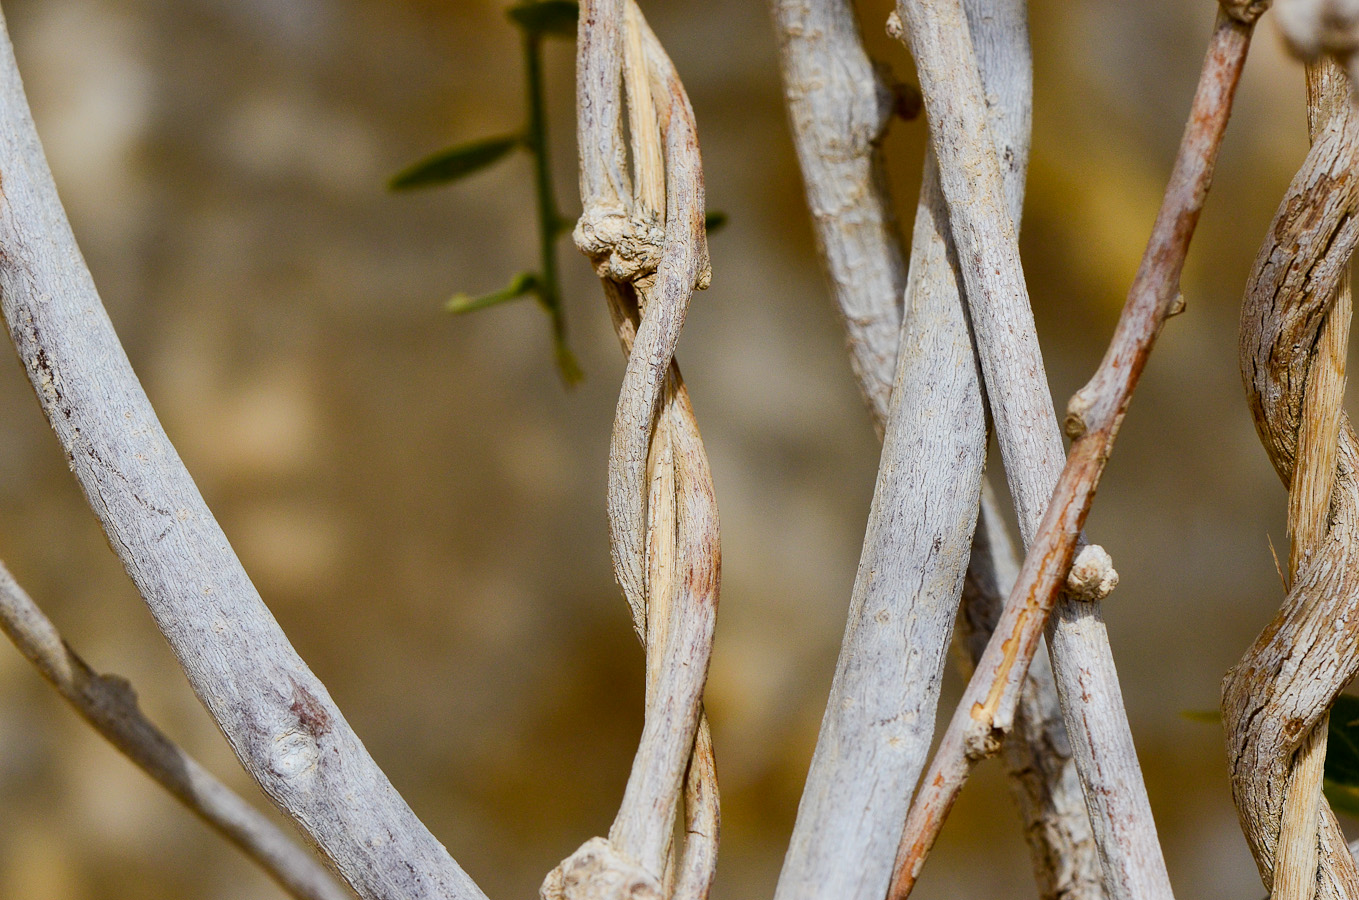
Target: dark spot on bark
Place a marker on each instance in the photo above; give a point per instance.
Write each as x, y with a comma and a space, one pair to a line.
309, 711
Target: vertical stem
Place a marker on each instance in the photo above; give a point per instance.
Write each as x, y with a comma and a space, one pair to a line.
549, 219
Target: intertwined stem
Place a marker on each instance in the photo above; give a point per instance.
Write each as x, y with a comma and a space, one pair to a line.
1279, 693
645, 235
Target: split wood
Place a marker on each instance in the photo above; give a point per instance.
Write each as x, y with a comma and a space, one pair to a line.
847, 822
646, 238
109, 705
1133, 866
276, 714
1293, 323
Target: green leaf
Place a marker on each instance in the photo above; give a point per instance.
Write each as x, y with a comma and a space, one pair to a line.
714, 220
454, 163
523, 283
551, 18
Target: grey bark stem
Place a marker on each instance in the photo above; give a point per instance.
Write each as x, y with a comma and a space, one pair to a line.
276, 714
109, 705
838, 111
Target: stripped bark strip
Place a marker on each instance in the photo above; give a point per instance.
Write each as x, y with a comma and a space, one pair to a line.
838, 110
1281, 690
276, 714
1309, 505
1113, 787
650, 249
108, 703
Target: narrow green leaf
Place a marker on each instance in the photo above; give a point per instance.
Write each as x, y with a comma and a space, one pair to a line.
523, 283
714, 220
455, 162
1206, 716
551, 18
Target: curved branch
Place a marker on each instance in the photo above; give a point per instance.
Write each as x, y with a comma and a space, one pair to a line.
276, 714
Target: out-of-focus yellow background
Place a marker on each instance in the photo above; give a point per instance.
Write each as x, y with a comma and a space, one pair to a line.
421, 502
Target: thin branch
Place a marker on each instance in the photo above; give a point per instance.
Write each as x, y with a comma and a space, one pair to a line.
108, 703
838, 111
1038, 755
276, 714
988, 252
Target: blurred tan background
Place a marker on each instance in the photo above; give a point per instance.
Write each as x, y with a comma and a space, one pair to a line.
421, 503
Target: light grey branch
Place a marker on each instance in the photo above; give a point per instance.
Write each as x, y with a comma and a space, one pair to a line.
276, 714
1031, 444
108, 703
839, 109
879, 719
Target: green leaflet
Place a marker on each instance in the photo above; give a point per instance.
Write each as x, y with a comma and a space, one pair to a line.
522, 284
449, 165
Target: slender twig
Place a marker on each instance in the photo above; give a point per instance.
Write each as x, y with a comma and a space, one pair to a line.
986, 249
1038, 754
276, 714
1309, 506
550, 223
108, 703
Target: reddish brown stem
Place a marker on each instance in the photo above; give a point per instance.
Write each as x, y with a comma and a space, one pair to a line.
1093, 419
